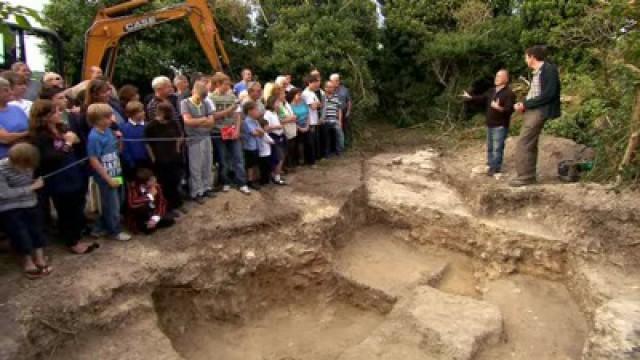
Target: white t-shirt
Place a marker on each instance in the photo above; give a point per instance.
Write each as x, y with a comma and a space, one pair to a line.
264, 146
23, 104
273, 120
309, 98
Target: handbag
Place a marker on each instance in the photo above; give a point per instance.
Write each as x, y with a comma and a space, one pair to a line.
228, 132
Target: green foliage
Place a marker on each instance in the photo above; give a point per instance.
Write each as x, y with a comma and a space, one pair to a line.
332, 36
434, 50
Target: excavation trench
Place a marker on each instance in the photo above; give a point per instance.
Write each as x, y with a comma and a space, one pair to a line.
369, 272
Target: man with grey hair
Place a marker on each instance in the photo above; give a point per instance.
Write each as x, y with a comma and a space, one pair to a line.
162, 91
181, 83
345, 106
33, 87
14, 124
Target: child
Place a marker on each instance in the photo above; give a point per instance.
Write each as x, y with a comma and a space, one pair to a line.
102, 149
251, 135
265, 146
276, 132
134, 153
167, 155
19, 216
147, 206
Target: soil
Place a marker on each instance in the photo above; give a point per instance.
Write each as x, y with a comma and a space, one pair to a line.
405, 254
541, 320
310, 330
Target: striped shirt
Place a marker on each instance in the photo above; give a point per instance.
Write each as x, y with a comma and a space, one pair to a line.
15, 188
223, 102
536, 85
331, 107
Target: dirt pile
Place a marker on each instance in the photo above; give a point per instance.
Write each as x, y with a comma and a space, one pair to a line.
401, 256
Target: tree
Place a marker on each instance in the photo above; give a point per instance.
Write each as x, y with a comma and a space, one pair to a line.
333, 36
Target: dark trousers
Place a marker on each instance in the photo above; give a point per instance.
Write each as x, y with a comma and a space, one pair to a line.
347, 130
315, 131
293, 153
265, 169
71, 220
324, 141
169, 176
527, 148
24, 228
305, 142
142, 217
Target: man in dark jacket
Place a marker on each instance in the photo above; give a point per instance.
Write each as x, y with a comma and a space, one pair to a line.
542, 103
499, 102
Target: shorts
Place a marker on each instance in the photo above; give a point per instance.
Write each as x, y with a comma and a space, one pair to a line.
251, 158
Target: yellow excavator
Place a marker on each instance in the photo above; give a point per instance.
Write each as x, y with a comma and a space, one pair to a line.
111, 24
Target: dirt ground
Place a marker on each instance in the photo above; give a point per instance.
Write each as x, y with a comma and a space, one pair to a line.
397, 251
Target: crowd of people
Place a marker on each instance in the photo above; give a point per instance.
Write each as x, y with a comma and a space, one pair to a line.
147, 156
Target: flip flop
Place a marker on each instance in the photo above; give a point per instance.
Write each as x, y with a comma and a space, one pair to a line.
34, 274
88, 250
45, 269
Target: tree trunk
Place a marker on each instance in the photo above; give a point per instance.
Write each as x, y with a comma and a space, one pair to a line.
634, 138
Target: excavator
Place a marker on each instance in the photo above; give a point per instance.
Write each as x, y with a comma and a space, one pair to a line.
113, 23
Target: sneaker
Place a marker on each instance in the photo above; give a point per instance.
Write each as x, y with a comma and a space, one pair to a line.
254, 186
491, 172
279, 181
123, 236
226, 188
245, 190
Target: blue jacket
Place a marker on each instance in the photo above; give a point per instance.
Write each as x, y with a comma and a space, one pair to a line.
133, 152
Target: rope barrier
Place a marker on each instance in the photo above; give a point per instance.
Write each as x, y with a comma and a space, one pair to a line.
78, 162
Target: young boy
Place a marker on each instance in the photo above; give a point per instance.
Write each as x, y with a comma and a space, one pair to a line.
19, 215
146, 203
265, 147
134, 152
251, 134
102, 149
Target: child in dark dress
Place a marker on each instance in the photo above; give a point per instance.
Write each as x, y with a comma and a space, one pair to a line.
146, 204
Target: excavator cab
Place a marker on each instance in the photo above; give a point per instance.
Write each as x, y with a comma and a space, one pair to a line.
113, 23
26, 48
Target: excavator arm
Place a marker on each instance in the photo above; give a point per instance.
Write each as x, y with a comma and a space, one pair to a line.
104, 35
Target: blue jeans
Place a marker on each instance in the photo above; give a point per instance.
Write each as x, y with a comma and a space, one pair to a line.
337, 138
109, 220
496, 137
231, 158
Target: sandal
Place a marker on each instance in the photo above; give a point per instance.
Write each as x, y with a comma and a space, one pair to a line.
45, 269
88, 250
34, 274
